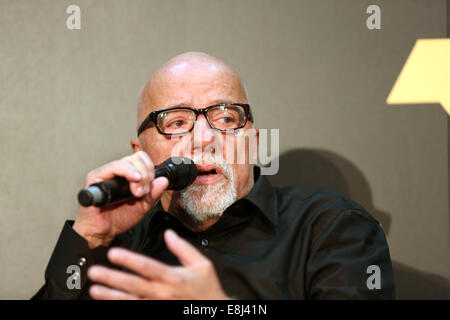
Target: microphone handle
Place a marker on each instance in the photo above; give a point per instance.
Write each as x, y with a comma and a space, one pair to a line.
117, 189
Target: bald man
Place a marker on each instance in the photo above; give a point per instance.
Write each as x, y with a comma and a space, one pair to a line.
229, 235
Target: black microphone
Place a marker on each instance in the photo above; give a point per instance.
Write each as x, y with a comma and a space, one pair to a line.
181, 172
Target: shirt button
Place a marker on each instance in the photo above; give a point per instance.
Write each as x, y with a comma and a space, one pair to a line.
82, 262
204, 242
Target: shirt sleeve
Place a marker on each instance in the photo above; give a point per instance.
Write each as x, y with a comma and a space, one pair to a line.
350, 259
66, 273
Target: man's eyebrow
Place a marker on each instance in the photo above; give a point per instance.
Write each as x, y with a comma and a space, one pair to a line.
219, 101
177, 105
214, 102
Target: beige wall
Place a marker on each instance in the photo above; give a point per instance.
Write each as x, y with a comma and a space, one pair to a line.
313, 69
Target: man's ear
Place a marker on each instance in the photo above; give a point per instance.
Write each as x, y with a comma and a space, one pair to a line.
135, 145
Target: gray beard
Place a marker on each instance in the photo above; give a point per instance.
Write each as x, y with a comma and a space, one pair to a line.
205, 202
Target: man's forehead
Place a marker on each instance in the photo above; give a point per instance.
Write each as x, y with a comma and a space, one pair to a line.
185, 74
181, 82
188, 77
179, 68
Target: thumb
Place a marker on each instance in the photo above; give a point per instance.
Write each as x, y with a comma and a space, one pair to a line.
183, 250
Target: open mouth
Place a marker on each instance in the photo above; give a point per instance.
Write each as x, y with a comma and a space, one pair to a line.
207, 173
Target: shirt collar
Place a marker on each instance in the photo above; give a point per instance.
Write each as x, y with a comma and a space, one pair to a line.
263, 196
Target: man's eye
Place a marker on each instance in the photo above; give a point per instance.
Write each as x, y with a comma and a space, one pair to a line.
226, 119
177, 123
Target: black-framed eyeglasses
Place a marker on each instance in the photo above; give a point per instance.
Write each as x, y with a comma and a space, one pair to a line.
181, 120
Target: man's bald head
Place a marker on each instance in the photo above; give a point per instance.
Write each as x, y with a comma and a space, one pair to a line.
184, 78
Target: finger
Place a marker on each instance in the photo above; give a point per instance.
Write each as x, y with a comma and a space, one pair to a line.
158, 186
145, 167
146, 158
103, 293
111, 170
183, 250
140, 188
143, 265
142, 169
119, 280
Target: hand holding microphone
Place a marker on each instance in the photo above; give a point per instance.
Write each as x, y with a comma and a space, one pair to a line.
136, 184
180, 171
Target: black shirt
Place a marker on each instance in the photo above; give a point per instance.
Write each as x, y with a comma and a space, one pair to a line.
275, 243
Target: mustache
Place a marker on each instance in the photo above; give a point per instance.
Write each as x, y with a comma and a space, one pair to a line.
219, 161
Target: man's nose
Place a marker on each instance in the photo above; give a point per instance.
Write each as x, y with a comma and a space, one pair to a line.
203, 133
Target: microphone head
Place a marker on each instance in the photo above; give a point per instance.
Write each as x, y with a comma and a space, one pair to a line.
180, 171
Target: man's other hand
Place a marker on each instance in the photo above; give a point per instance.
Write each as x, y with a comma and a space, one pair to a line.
195, 279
